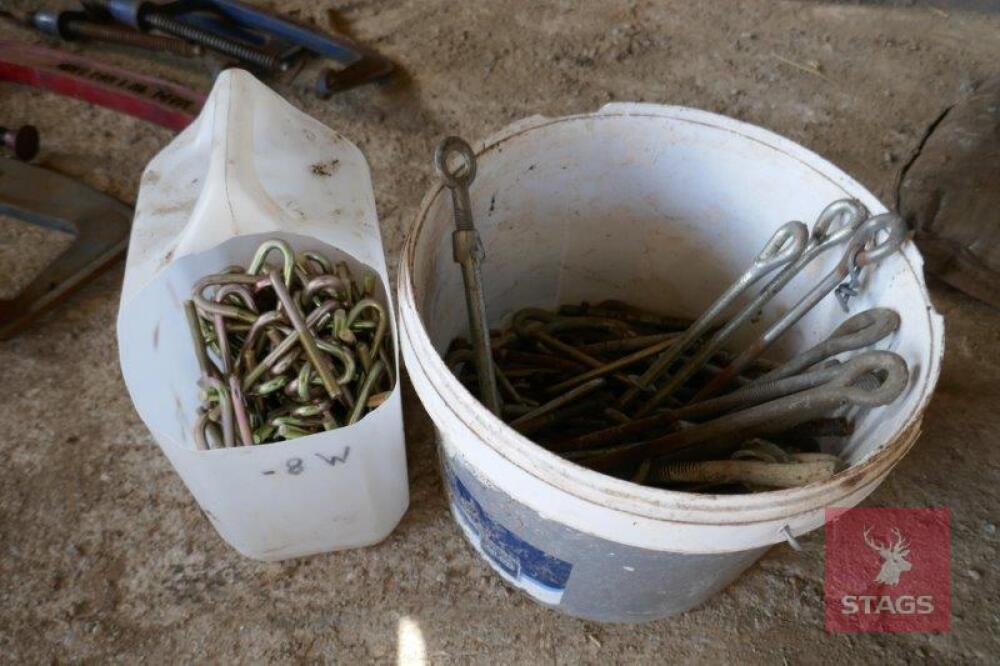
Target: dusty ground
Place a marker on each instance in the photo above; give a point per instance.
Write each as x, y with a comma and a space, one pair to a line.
106, 556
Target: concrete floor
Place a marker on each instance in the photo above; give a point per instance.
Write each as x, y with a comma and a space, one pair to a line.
106, 556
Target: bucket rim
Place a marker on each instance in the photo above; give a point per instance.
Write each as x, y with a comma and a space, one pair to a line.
625, 496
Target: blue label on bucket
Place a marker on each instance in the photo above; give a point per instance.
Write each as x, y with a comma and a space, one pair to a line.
517, 561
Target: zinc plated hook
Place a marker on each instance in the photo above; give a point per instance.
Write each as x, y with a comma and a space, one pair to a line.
773, 416
835, 225
862, 330
855, 258
784, 247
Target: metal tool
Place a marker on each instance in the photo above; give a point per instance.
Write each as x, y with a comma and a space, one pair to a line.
752, 472
73, 25
613, 366
784, 247
146, 97
23, 141
717, 436
747, 396
253, 36
38, 196
563, 372
856, 257
561, 401
372, 67
143, 16
467, 249
834, 226
544, 359
537, 366
528, 324
861, 330
360, 64
627, 313
99, 222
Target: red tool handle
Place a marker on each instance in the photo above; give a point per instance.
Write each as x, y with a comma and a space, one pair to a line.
146, 97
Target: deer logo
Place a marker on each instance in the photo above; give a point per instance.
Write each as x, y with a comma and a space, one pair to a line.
893, 554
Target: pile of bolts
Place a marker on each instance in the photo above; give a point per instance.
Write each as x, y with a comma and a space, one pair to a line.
287, 351
659, 400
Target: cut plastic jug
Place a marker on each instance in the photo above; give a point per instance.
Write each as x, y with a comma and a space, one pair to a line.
253, 167
661, 207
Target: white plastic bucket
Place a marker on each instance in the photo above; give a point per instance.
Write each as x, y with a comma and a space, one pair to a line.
253, 167
662, 207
